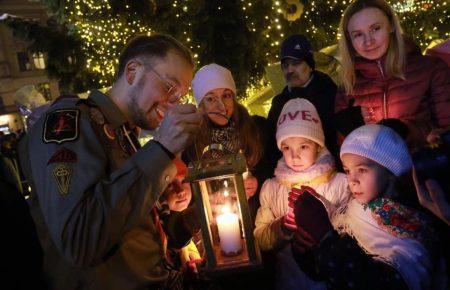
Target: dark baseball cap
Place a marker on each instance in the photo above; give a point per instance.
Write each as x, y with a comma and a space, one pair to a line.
295, 46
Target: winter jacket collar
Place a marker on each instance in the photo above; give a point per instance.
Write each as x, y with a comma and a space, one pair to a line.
374, 69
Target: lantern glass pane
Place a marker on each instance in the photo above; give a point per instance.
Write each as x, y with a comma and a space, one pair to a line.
224, 217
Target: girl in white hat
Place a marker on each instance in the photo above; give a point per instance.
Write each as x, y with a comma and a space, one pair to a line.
305, 162
382, 243
227, 123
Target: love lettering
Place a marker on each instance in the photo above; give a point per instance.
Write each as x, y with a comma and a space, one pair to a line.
302, 115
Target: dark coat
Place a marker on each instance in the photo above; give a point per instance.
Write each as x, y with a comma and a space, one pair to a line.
321, 92
342, 264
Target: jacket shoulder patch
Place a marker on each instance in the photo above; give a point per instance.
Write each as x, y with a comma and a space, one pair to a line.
63, 155
61, 126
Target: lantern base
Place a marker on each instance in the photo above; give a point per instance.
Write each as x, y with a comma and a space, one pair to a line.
231, 254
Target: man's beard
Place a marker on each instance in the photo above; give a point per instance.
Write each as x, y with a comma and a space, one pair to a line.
138, 115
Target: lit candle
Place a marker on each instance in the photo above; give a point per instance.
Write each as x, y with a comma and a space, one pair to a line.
229, 232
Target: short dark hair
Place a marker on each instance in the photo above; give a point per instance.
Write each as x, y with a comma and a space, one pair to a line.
157, 45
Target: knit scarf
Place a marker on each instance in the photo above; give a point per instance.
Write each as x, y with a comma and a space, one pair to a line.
320, 172
227, 136
391, 233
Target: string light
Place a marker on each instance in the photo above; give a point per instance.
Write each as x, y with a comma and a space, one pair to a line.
104, 33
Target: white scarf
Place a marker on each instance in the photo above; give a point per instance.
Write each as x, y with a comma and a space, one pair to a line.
323, 165
396, 243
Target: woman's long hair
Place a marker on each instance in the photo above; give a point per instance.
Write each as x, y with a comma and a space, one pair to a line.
248, 133
395, 56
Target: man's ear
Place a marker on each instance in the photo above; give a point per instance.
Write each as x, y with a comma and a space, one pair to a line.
131, 69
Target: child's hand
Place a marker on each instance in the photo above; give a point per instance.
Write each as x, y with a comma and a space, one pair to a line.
302, 241
190, 257
289, 219
311, 215
289, 225
293, 196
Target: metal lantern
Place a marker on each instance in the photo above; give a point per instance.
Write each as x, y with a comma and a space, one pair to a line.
226, 225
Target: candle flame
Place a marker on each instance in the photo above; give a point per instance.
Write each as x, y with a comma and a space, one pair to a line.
225, 183
225, 193
226, 209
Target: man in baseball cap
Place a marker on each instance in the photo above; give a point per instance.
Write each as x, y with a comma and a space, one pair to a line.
302, 81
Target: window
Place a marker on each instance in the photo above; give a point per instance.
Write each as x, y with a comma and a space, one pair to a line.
38, 59
24, 61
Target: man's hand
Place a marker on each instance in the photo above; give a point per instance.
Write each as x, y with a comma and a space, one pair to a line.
432, 197
179, 127
251, 185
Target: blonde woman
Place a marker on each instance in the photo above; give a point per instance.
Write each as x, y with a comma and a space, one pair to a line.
386, 74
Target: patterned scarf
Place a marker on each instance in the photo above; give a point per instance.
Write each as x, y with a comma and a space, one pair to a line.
323, 167
226, 136
391, 233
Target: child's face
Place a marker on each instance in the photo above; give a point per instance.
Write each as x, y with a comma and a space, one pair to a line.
178, 194
366, 178
299, 153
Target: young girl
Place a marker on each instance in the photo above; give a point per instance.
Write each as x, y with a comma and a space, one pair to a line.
305, 161
386, 74
229, 124
376, 242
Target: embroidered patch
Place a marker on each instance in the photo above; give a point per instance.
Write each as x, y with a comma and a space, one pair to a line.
63, 155
61, 126
63, 174
97, 116
109, 132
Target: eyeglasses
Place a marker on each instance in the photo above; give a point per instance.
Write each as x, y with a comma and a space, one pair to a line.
173, 93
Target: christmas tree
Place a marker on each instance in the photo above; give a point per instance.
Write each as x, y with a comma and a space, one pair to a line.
243, 35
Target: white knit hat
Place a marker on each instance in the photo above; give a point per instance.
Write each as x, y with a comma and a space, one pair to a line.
210, 77
299, 118
380, 144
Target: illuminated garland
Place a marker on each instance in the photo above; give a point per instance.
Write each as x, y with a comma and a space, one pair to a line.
105, 31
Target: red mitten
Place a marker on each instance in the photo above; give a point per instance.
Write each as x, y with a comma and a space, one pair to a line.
302, 241
311, 215
293, 196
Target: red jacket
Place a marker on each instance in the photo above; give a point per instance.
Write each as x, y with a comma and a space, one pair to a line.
421, 100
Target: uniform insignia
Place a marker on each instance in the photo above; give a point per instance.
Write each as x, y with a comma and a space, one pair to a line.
97, 116
63, 155
61, 126
62, 174
109, 132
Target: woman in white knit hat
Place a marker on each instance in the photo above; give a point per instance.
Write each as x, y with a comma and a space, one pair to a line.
227, 123
374, 241
305, 162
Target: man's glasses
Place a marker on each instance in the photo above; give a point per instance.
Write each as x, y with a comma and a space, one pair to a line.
173, 93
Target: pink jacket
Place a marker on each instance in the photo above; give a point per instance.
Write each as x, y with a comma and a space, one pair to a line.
421, 100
